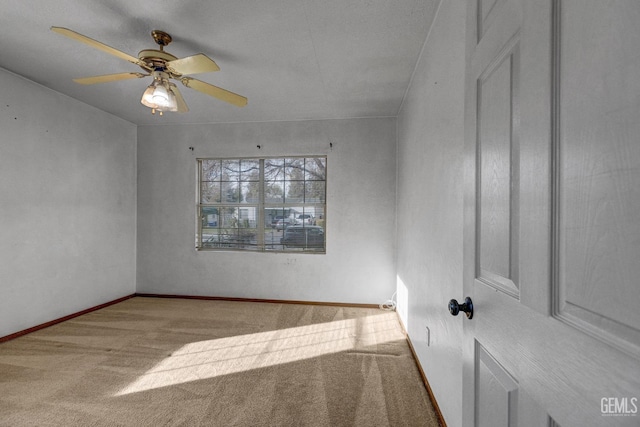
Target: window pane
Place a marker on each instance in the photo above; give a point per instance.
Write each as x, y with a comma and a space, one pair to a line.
210, 217
215, 238
247, 217
274, 224
294, 191
274, 169
210, 192
244, 234
231, 170
274, 191
230, 192
250, 192
211, 170
228, 218
294, 170
308, 216
273, 215
249, 170
303, 238
320, 214
315, 169
314, 192
294, 184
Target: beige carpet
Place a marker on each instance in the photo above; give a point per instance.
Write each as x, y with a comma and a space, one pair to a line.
179, 362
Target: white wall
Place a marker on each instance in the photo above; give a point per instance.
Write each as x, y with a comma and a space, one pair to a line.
430, 206
67, 205
68, 208
359, 264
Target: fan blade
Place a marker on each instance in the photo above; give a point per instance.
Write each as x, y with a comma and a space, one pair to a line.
194, 64
182, 106
109, 78
216, 92
97, 45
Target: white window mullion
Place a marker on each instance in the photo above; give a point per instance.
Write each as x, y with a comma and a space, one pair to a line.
198, 206
260, 216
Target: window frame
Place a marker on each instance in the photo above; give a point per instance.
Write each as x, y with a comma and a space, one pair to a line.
261, 207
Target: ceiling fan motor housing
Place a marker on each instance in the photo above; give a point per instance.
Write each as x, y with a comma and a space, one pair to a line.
157, 59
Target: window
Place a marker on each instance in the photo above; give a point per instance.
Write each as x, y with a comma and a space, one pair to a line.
265, 204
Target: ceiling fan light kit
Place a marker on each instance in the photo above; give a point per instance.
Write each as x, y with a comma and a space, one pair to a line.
161, 95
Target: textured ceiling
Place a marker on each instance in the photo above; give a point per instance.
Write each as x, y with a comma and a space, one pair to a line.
293, 59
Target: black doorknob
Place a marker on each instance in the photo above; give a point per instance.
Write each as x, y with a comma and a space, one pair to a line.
467, 307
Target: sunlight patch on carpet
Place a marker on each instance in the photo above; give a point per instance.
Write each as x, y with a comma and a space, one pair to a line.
212, 358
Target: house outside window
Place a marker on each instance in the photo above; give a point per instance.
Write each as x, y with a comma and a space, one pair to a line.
262, 204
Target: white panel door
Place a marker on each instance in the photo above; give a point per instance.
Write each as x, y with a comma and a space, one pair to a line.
552, 213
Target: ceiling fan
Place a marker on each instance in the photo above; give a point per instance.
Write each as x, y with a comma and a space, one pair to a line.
162, 94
